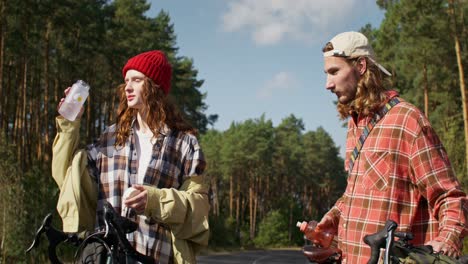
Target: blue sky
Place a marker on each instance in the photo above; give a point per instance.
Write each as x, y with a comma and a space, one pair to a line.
264, 56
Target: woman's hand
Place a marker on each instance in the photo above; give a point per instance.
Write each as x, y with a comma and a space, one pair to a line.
138, 200
63, 99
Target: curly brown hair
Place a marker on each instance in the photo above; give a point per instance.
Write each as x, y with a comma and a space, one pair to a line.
370, 92
161, 110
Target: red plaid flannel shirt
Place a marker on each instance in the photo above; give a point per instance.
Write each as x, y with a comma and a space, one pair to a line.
402, 173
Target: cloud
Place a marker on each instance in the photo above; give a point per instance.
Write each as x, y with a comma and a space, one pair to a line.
282, 81
271, 21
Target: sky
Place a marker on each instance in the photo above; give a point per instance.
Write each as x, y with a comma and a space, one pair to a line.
264, 56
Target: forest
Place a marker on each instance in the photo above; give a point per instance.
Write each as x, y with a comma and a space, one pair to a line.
263, 178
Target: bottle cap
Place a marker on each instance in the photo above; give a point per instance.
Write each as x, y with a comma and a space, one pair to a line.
302, 225
129, 193
83, 84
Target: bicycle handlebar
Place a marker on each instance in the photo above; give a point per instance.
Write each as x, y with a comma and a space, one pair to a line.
385, 238
116, 227
54, 236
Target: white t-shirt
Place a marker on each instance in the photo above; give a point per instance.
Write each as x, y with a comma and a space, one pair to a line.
144, 147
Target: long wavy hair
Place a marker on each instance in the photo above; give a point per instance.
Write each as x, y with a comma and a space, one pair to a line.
160, 111
370, 92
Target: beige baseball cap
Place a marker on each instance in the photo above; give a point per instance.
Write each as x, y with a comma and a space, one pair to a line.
353, 45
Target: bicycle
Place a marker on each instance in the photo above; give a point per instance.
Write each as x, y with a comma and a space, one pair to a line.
111, 236
401, 251
396, 251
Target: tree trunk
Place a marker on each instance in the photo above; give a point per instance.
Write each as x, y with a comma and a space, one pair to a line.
45, 118
304, 200
231, 194
426, 91
255, 209
56, 88
310, 205
4, 224
2, 55
266, 194
88, 119
251, 198
461, 74
22, 128
7, 101
18, 125
110, 105
291, 223
238, 206
38, 121
214, 188
464, 94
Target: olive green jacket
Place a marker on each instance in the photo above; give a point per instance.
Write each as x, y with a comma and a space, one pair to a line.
184, 210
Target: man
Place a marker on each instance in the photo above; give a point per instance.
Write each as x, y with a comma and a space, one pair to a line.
399, 170
151, 151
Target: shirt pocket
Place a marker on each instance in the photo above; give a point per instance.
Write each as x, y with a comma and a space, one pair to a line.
376, 170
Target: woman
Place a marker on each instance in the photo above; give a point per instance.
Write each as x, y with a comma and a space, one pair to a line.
150, 148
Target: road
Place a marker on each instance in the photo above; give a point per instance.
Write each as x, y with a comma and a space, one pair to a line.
289, 256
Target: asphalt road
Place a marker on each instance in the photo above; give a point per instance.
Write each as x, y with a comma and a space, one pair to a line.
256, 257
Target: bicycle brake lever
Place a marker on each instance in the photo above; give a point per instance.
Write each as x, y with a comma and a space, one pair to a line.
108, 217
405, 236
379, 240
45, 224
106, 229
389, 244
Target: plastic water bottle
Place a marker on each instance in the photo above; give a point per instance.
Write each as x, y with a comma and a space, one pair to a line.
319, 237
74, 100
130, 213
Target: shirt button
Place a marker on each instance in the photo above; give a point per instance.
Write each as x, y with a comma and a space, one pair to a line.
344, 225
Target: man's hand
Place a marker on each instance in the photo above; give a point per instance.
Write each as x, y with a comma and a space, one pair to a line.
444, 248
327, 224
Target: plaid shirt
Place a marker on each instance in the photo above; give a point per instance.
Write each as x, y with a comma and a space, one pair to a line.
402, 173
176, 156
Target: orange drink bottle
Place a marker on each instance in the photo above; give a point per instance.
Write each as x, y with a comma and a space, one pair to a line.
319, 237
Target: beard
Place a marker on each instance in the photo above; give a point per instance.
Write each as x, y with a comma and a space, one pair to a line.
345, 109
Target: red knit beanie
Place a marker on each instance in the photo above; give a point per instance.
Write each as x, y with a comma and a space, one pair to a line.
154, 65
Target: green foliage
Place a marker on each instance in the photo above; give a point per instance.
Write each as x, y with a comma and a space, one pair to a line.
25, 197
273, 231
416, 42
298, 175
324, 172
47, 46
9, 186
223, 232
244, 237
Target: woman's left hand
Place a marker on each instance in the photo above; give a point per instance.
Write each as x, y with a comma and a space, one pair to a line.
139, 200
